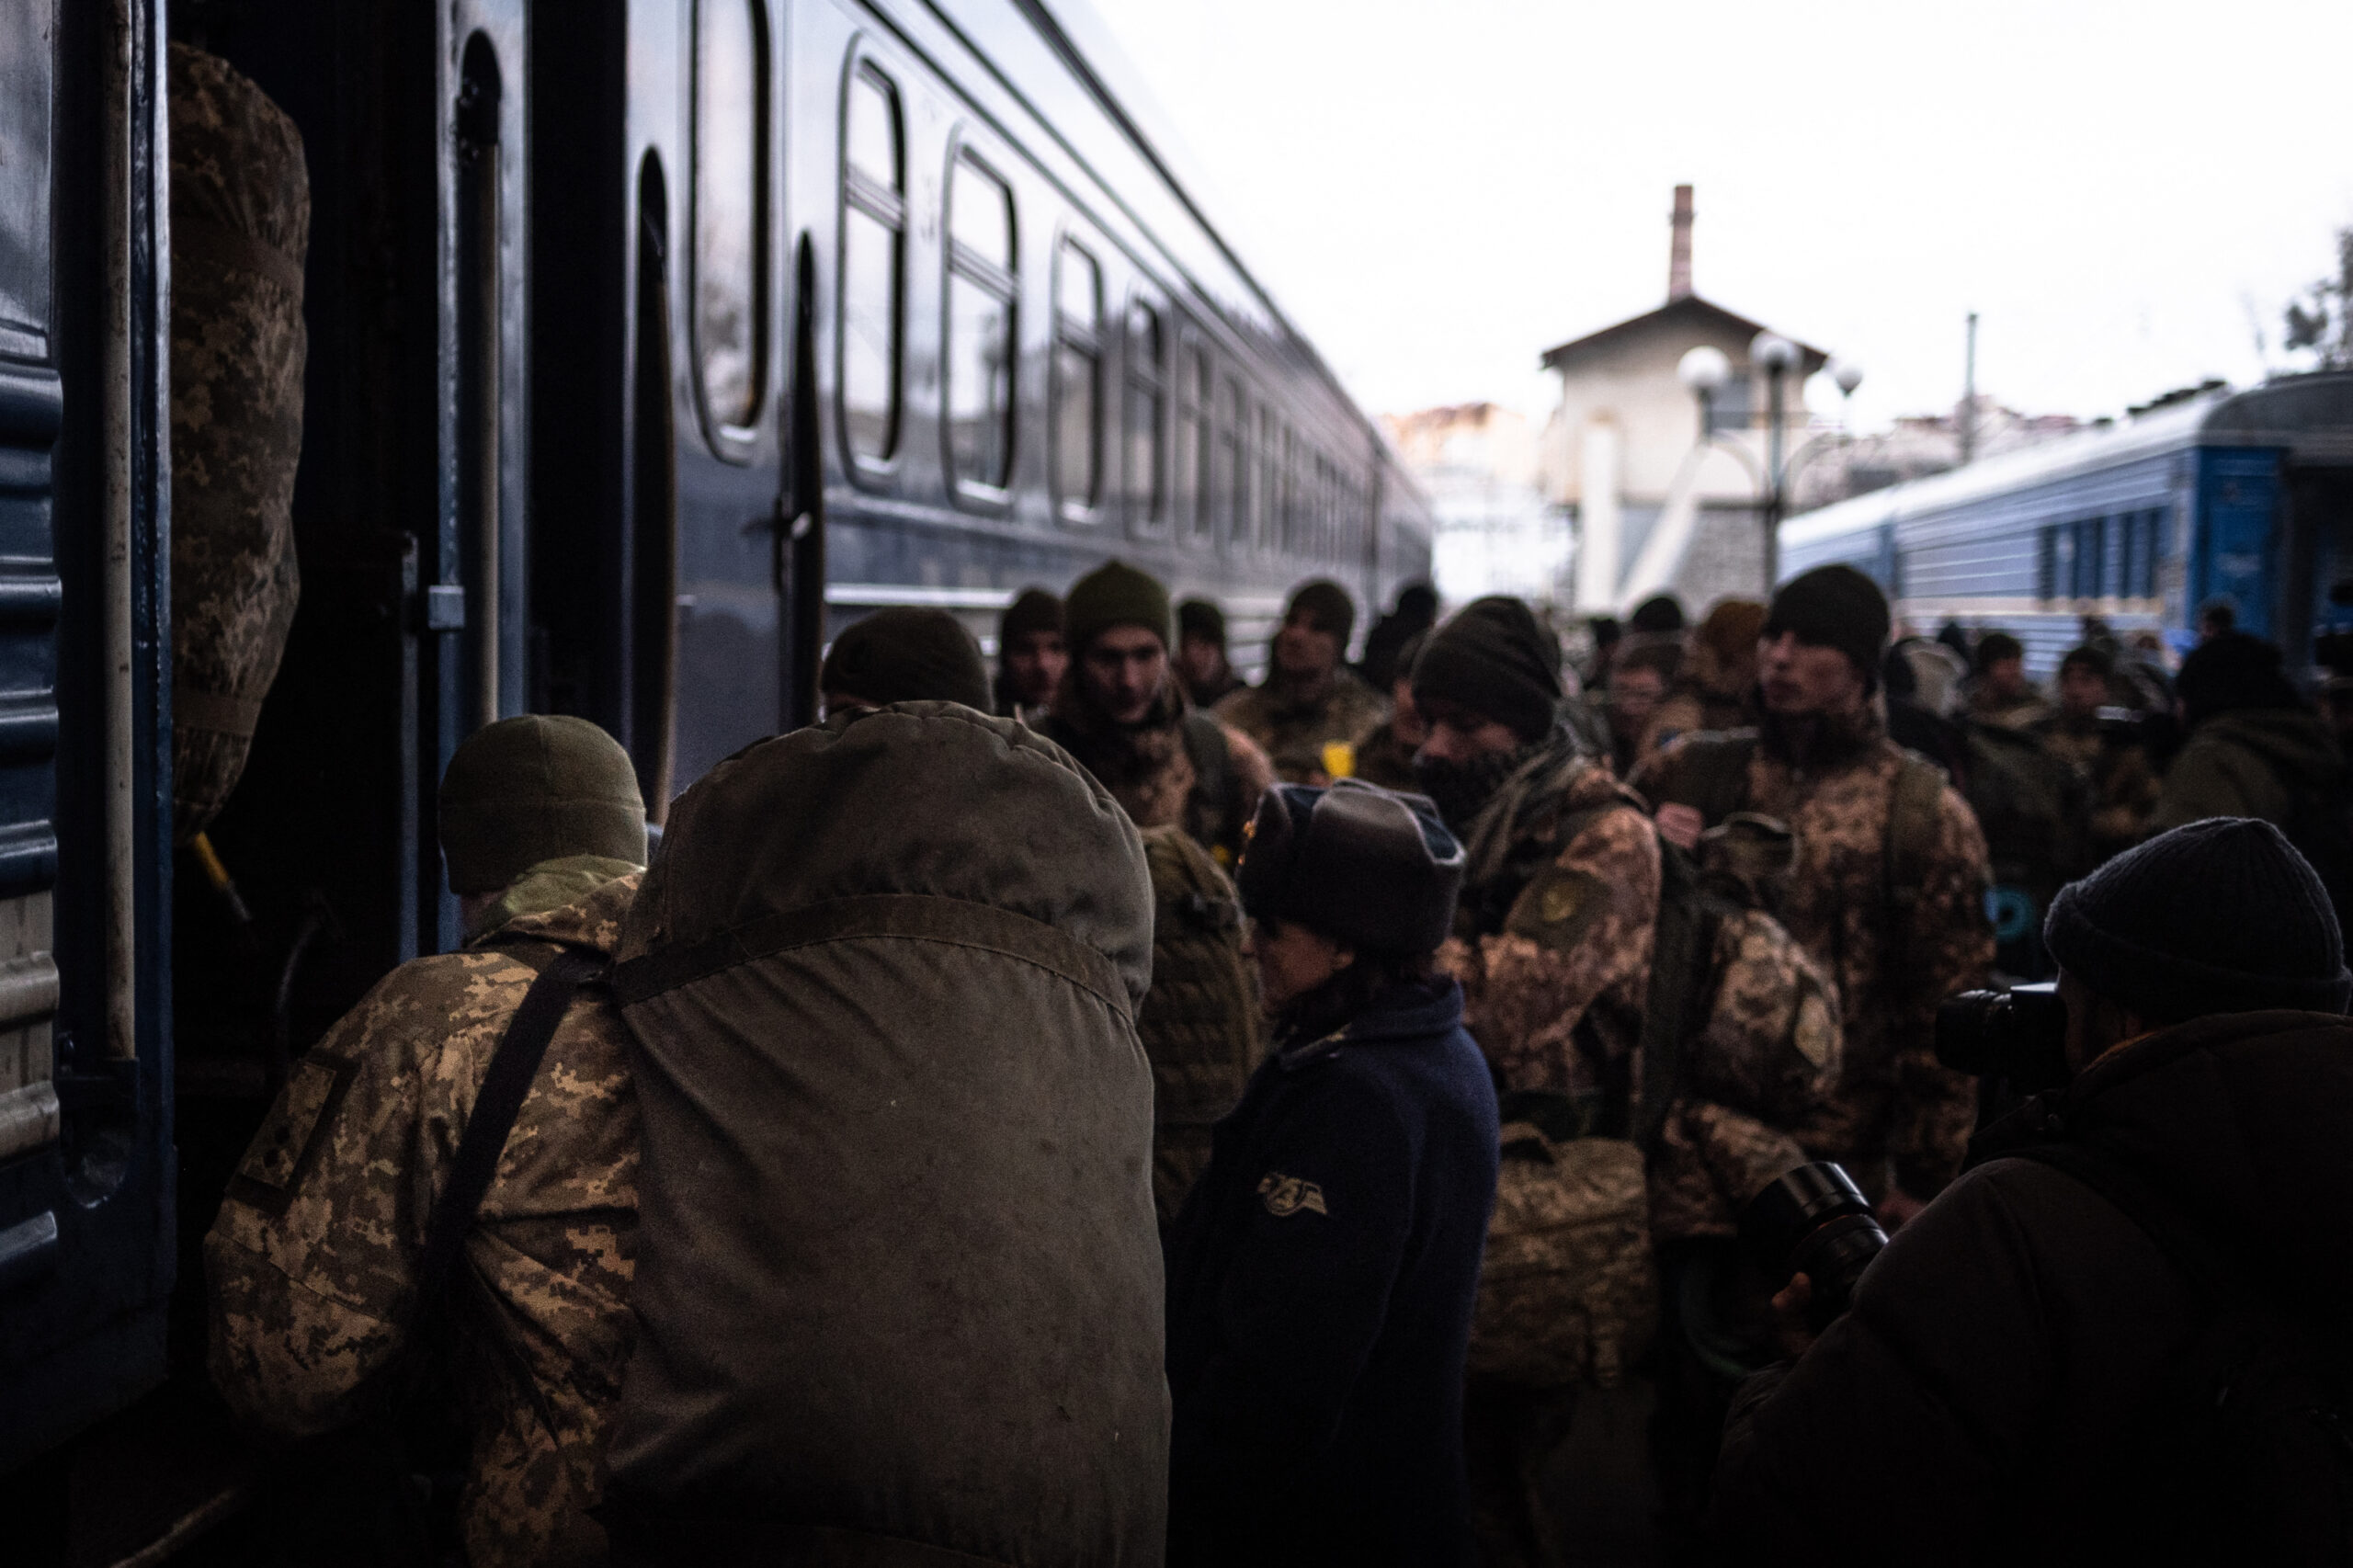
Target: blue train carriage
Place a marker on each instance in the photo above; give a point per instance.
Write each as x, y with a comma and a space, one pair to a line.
2246, 498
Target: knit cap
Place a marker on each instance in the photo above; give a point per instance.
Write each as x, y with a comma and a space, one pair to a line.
536, 787
1493, 658
2222, 915
1203, 619
1114, 594
904, 654
1834, 606
1033, 609
1326, 606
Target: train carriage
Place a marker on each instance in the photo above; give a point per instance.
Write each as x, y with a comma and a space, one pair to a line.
2244, 498
649, 343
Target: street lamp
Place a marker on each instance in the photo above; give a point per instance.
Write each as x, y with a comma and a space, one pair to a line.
1703, 371
1776, 357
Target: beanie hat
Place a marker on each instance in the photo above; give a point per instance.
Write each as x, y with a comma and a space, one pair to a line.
1114, 594
1199, 618
2222, 915
1326, 606
1366, 866
533, 788
1660, 612
2096, 659
1834, 606
1996, 646
2231, 671
1494, 659
906, 654
1034, 609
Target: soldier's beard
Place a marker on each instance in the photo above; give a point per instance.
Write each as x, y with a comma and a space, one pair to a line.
1461, 790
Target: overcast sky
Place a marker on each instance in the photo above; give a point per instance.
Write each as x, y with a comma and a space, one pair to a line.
2125, 192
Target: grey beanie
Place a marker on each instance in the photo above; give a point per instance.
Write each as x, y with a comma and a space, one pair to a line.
2216, 916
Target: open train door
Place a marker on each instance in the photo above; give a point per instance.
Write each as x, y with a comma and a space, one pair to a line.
86, 1132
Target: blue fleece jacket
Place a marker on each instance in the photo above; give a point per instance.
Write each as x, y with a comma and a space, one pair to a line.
1320, 1278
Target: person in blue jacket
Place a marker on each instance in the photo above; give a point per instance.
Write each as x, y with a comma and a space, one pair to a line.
1321, 1274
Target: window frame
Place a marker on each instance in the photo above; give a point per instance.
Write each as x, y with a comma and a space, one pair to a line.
1088, 341
893, 209
734, 443
1004, 285
1141, 379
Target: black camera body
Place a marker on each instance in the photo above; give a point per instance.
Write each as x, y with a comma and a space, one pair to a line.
2020, 1034
1813, 1221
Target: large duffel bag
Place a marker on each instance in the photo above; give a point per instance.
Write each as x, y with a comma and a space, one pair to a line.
898, 1279
241, 226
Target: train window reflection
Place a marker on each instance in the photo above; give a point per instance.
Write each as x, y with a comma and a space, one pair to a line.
1225, 488
980, 327
1190, 464
1078, 378
731, 206
873, 270
1262, 480
1146, 377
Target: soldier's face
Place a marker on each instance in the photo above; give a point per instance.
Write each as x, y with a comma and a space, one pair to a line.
1459, 735
1036, 660
1804, 679
1199, 658
2080, 690
1122, 672
1293, 960
1304, 653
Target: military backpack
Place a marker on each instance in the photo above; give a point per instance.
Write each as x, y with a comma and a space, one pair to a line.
1199, 1021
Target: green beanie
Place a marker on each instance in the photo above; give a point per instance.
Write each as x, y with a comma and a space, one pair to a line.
1327, 607
1034, 610
539, 788
1114, 594
905, 654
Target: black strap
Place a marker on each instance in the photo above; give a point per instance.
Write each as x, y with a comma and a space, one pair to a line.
497, 1105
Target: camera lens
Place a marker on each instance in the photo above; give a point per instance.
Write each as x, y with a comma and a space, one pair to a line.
1814, 1220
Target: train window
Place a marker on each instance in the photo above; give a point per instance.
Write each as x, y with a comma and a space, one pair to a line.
980, 327
731, 226
2057, 549
2153, 538
1290, 510
1078, 380
1228, 480
2091, 540
1262, 480
1194, 461
1147, 380
873, 266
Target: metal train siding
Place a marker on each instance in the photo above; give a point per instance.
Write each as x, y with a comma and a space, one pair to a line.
597, 420
2246, 496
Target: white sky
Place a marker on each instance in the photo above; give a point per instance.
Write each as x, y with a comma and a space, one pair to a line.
1437, 193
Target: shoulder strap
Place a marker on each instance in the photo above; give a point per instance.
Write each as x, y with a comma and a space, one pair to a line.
497, 1105
1911, 828
1682, 986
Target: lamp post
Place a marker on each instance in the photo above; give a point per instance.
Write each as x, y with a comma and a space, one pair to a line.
1776, 357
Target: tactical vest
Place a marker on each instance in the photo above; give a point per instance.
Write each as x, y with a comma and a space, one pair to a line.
1199, 1021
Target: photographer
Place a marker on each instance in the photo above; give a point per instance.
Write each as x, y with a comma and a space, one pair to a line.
2111, 1339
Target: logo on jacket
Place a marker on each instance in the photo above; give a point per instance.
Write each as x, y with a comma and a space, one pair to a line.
1285, 1195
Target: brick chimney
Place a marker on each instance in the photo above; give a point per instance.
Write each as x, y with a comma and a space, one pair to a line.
1678, 258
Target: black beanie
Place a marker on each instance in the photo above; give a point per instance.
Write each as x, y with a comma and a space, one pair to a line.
1326, 606
1661, 612
1834, 606
1493, 658
1034, 609
1199, 618
2216, 916
1370, 867
2231, 671
1114, 594
906, 655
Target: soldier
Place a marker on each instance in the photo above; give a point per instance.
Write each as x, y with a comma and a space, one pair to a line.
1386, 661
1321, 1279
1716, 686
901, 655
1640, 678
1123, 714
2107, 751
1552, 945
1386, 758
1030, 654
1309, 701
359, 1237
1200, 653
1887, 890
1999, 692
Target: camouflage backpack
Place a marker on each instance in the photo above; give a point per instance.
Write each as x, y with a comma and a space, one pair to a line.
1199, 1021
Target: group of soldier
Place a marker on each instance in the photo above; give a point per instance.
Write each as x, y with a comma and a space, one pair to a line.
1568, 966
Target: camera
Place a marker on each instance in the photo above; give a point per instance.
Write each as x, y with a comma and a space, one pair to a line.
1813, 1221
2020, 1034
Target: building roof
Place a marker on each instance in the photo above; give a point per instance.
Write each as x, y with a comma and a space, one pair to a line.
1691, 313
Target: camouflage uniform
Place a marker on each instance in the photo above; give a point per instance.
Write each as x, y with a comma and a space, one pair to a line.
1576, 948
1179, 767
1898, 1116
312, 1263
1385, 760
2124, 786
1294, 729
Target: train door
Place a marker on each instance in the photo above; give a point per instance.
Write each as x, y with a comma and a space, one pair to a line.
85, 1133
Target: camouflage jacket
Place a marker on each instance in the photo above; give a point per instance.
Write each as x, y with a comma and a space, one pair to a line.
2124, 786
1553, 932
1897, 944
1293, 730
312, 1261
1179, 767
